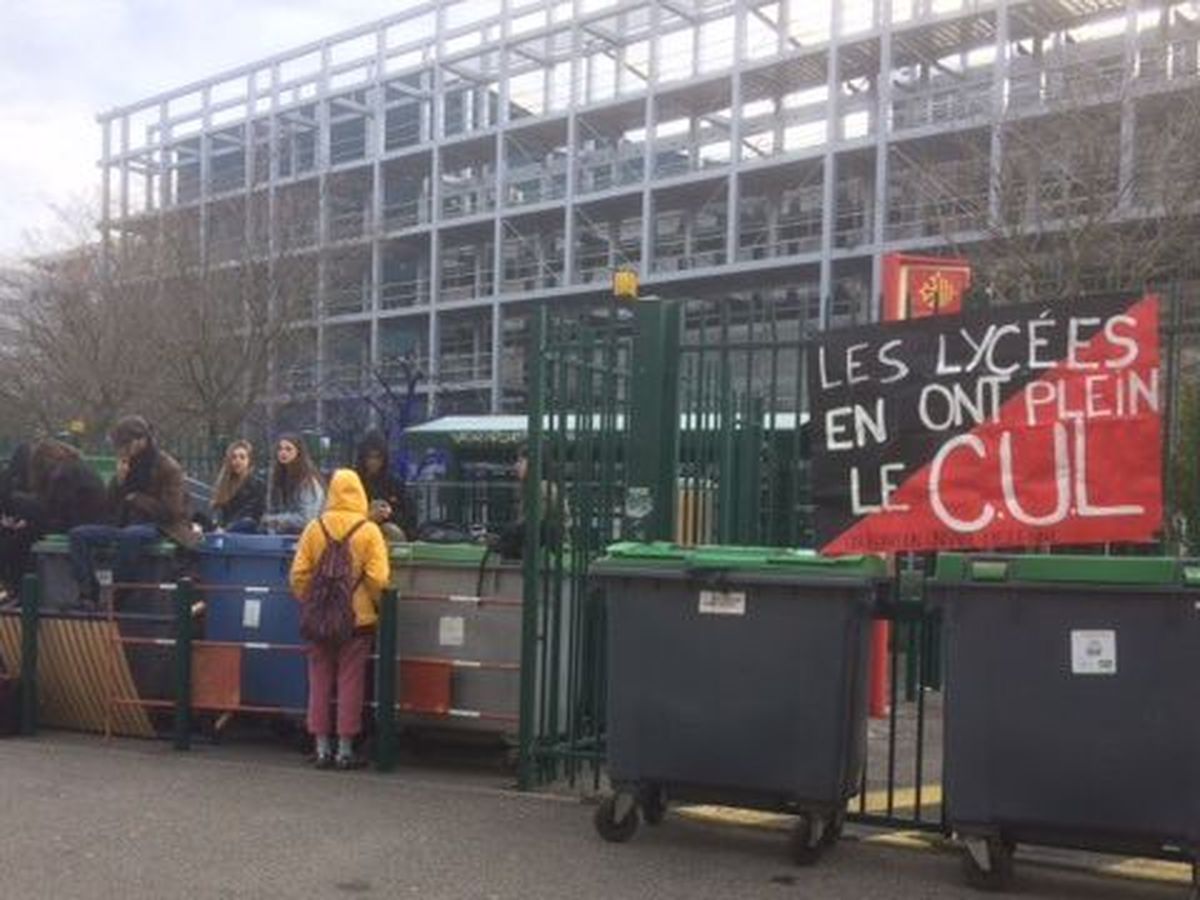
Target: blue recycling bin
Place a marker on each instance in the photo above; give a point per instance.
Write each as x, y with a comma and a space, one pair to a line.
249, 602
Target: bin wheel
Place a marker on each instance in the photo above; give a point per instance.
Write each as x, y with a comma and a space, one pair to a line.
654, 805
833, 829
998, 873
807, 840
609, 827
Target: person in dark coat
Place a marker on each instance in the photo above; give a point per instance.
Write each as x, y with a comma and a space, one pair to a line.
389, 504
68, 489
239, 496
147, 500
20, 524
46, 488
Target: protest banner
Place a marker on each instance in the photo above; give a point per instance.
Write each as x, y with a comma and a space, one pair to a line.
1017, 426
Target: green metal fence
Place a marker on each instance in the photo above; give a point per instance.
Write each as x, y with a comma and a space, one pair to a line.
575, 504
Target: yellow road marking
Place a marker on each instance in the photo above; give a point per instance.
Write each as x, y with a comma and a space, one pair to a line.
1149, 870
903, 800
908, 840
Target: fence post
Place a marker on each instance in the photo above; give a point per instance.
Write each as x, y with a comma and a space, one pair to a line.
532, 552
654, 413
1171, 409
183, 664
31, 595
385, 684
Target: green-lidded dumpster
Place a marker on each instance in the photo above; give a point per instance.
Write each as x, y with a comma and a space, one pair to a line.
458, 636
736, 675
60, 591
1071, 705
85, 667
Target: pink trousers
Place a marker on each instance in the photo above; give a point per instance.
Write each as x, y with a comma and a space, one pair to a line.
343, 667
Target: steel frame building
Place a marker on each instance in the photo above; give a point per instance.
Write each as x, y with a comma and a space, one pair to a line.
439, 170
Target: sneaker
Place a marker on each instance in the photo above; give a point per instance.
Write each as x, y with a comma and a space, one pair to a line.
323, 761
346, 763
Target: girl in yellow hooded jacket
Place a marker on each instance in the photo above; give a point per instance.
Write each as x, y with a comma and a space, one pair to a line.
345, 664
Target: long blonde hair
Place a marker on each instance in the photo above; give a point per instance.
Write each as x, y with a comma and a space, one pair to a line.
229, 483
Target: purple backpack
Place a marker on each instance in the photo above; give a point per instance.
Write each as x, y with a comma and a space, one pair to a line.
327, 613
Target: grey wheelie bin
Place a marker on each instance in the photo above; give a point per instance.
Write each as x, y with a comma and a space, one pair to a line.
736, 675
458, 637
1071, 706
144, 612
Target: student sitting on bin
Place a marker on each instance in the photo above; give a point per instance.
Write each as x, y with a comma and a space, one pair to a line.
239, 496
389, 504
296, 494
147, 500
67, 490
341, 665
22, 518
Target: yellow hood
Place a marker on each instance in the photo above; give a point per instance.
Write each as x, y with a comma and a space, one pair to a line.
346, 493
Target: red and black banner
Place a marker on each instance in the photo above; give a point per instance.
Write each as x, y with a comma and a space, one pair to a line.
1013, 427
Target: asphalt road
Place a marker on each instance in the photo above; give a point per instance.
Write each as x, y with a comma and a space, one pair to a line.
130, 820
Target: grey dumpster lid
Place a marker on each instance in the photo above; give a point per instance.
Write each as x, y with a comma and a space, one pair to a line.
776, 559
1139, 570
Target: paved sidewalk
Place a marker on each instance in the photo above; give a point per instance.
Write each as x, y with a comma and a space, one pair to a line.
132, 820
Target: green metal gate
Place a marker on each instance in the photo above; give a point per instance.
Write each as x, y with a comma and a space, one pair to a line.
581, 382
665, 421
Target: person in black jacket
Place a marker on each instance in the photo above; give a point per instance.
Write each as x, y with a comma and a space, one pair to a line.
239, 496
46, 488
389, 505
20, 519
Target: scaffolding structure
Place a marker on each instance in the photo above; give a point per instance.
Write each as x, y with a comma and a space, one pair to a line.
438, 170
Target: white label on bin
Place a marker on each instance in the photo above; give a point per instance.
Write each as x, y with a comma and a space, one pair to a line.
722, 603
104, 577
251, 613
452, 631
1094, 652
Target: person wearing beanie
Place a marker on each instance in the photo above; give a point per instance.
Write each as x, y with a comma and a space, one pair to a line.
147, 501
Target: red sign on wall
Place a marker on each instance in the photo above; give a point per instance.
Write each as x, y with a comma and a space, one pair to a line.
918, 286
1017, 427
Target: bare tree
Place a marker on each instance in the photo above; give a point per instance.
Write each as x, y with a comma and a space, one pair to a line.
1059, 198
222, 317
74, 336
152, 322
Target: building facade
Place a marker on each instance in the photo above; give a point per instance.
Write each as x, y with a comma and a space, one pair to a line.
425, 180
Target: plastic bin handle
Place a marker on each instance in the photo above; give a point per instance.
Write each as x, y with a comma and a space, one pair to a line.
707, 574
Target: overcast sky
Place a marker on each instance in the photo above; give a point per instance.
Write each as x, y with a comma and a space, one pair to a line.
64, 61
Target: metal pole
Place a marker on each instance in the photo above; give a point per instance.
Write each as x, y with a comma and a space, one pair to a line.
531, 499
654, 413
385, 684
1170, 426
31, 594
183, 664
